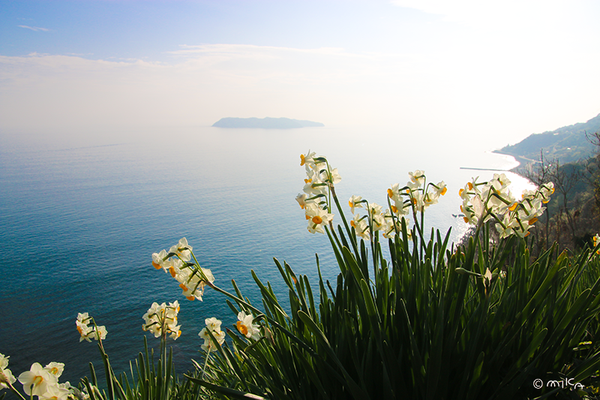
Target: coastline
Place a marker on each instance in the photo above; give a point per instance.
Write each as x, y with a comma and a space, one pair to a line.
523, 161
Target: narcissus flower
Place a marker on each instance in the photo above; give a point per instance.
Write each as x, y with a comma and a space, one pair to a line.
213, 327
89, 332
36, 380
307, 159
191, 277
317, 218
246, 326
6, 376
182, 249
301, 199
158, 259
355, 202
55, 368
493, 200
417, 179
361, 226
162, 320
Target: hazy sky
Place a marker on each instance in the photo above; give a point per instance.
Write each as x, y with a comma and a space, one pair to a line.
491, 70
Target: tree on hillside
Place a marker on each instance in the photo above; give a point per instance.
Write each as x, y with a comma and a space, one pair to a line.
594, 168
539, 174
565, 180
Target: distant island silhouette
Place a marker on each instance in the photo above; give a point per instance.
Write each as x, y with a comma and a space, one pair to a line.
265, 123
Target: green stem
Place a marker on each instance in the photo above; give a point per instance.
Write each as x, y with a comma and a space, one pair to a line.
339, 207
16, 391
206, 362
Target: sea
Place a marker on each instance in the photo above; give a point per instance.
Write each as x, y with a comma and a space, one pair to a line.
82, 212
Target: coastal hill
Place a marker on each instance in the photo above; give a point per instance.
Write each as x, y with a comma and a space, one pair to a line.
265, 123
568, 144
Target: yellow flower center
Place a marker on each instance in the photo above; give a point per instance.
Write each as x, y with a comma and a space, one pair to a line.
155, 265
242, 328
38, 380
172, 271
444, 190
470, 186
532, 221
302, 159
460, 192
390, 193
317, 220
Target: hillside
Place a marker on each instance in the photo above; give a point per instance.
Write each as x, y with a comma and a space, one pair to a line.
568, 144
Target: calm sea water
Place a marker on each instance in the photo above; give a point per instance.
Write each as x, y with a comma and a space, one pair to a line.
80, 216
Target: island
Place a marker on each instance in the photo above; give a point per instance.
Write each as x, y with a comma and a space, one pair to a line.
265, 123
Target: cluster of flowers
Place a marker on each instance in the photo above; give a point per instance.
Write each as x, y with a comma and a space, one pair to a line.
485, 201
191, 277
39, 381
318, 184
596, 240
416, 195
213, 327
88, 332
162, 319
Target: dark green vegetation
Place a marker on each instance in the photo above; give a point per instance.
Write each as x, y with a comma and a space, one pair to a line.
265, 123
427, 324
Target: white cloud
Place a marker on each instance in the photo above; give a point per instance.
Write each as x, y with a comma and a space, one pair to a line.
34, 28
466, 91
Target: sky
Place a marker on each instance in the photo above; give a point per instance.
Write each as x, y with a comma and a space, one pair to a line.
490, 71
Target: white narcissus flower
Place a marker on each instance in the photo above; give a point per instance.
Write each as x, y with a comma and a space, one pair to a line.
332, 177
389, 231
441, 188
313, 185
417, 179
500, 182
361, 227
307, 159
3, 361
89, 332
162, 319
158, 259
301, 199
214, 326
317, 218
377, 219
355, 202
246, 326
192, 282
36, 380
182, 249
56, 392
55, 368
6, 376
